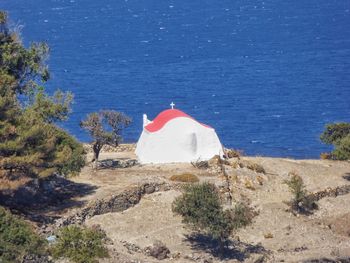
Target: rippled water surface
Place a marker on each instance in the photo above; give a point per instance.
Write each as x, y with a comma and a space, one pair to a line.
268, 75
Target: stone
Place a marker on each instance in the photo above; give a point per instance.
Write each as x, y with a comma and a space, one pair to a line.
158, 251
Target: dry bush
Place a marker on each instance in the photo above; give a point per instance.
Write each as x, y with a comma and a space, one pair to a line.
232, 153
268, 235
255, 167
158, 250
8, 184
185, 178
325, 156
249, 165
249, 184
260, 180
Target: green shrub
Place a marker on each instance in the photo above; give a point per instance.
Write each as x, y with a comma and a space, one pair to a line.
342, 149
242, 215
301, 202
185, 178
80, 244
17, 238
200, 208
338, 134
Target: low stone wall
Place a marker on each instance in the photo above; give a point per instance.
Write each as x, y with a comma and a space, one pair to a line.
330, 192
115, 203
125, 147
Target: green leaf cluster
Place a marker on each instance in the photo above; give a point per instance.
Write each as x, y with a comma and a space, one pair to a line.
338, 134
201, 208
17, 238
30, 142
80, 244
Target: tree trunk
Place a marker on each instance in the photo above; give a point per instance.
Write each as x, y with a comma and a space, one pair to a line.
96, 149
228, 184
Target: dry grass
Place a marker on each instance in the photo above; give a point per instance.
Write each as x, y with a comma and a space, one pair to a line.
255, 167
325, 156
249, 184
232, 153
7, 184
268, 235
249, 165
185, 178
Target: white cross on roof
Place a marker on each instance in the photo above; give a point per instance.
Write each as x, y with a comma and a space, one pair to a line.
172, 105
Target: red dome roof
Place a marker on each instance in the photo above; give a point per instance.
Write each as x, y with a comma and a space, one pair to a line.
166, 116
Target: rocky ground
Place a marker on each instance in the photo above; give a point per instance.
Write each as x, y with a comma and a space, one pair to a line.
133, 206
132, 203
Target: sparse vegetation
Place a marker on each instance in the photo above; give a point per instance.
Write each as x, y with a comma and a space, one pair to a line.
158, 250
232, 153
302, 202
201, 208
255, 167
249, 165
17, 239
185, 178
338, 135
326, 156
105, 128
249, 184
80, 244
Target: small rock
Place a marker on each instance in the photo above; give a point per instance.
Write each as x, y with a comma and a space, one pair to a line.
158, 250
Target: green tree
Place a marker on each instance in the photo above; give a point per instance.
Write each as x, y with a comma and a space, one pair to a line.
105, 128
30, 142
201, 209
338, 134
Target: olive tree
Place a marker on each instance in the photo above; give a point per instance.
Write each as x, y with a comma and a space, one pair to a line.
105, 128
200, 207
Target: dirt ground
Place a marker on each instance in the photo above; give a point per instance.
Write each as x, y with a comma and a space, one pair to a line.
276, 234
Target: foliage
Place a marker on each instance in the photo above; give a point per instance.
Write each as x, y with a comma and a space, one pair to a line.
17, 238
335, 132
80, 244
242, 215
186, 178
105, 128
338, 134
30, 143
342, 149
70, 154
201, 208
301, 202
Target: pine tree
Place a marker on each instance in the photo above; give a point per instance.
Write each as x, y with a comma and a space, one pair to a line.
30, 142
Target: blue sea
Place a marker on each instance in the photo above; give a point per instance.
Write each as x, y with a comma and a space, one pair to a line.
267, 75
